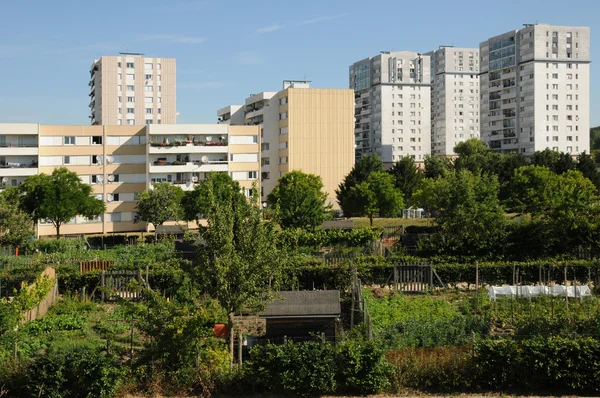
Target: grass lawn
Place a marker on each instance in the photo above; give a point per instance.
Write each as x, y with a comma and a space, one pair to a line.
363, 222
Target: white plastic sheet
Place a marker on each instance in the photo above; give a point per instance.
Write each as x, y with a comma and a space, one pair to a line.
535, 291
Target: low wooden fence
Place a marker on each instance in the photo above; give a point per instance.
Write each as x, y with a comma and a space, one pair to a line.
40, 310
94, 265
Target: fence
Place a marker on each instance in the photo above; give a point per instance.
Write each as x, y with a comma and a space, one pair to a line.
41, 308
117, 284
95, 265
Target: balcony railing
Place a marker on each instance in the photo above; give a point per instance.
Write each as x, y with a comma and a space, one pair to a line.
163, 162
9, 145
15, 165
184, 143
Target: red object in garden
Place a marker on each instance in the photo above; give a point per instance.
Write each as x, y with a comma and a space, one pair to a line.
221, 330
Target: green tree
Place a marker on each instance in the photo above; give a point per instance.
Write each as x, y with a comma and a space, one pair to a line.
299, 201
407, 176
586, 164
359, 173
376, 195
239, 264
475, 156
467, 209
59, 197
546, 158
160, 204
436, 166
15, 225
194, 203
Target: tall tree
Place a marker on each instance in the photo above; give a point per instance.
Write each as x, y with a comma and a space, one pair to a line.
467, 209
407, 176
546, 158
160, 204
436, 166
59, 197
299, 201
377, 195
359, 173
239, 263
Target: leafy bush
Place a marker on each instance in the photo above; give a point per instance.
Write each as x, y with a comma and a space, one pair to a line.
308, 368
300, 368
362, 368
83, 372
553, 364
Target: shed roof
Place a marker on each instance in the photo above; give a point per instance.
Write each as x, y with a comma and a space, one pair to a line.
304, 304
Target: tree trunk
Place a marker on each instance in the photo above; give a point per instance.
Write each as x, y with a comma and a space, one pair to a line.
231, 337
57, 231
371, 219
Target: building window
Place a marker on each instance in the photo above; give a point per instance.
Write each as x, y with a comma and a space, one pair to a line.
130, 88
283, 116
148, 111
120, 99
94, 161
130, 99
148, 100
148, 65
148, 89
283, 101
97, 140
67, 160
130, 65
130, 76
118, 64
130, 110
120, 87
148, 77
158, 67
69, 140
283, 160
253, 175
130, 122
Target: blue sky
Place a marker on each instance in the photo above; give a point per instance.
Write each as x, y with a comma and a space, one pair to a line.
227, 50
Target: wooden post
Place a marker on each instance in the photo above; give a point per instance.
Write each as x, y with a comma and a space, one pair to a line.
240, 341
103, 279
430, 277
477, 285
567, 295
395, 278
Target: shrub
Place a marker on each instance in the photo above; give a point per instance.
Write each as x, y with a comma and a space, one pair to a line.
301, 368
83, 372
362, 368
553, 363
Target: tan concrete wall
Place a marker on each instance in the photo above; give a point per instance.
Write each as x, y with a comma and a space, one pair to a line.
320, 134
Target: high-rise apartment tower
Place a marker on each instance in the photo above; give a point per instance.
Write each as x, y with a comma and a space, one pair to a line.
535, 90
132, 89
454, 97
392, 94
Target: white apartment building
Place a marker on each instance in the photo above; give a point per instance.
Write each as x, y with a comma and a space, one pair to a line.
132, 89
119, 162
392, 105
535, 89
454, 97
302, 128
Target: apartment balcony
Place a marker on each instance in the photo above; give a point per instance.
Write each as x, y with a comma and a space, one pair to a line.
11, 150
160, 166
196, 147
255, 113
14, 169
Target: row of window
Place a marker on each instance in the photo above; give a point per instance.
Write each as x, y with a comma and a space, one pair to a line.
146, 88
147, 100
148, 111
147, 65
91, 140
91, 160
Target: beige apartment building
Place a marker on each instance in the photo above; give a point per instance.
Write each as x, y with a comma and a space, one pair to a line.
132, 89
302, 128
119, 162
